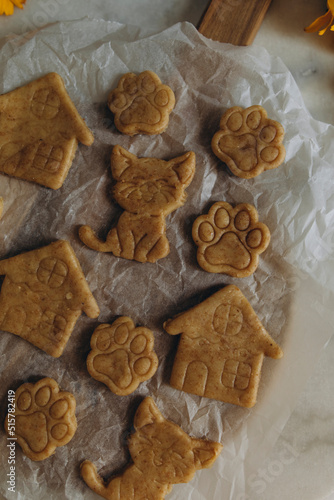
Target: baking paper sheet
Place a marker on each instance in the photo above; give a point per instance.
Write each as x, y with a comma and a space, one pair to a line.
291, 291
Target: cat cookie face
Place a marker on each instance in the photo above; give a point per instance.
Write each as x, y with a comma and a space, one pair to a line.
149, 185
163, 455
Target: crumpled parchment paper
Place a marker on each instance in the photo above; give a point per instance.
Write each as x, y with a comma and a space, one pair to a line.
291, 291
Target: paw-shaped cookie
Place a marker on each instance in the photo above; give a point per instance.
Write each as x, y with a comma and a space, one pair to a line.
141, 104
44, 418
248, 141
122, 356
230, 239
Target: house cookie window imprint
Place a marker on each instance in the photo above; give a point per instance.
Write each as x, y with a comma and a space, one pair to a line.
43, 295
221, 349
39, 132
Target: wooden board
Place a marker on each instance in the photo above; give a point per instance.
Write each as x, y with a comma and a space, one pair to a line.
233, 21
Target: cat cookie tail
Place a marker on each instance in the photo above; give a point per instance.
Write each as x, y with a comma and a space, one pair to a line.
89, 238
91, 477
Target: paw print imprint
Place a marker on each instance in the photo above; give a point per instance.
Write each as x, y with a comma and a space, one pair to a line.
249, 142
122, 356
141, 104
44, 418
230, 239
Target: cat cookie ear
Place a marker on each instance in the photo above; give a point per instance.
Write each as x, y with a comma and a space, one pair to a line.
147, 413
121, 159
205, 452
184, 166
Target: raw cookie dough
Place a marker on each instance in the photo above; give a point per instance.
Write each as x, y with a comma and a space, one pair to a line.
230, 239
44, 418
248, 141
39, 132
42, 296
163, 455
122, 356
148, 189
141, 104
221, 349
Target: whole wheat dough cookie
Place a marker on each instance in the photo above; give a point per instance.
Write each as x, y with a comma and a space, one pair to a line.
163, 455
39, 132
248, 141
141, 104
230, 239
122, 356
221, 349
44, 418
148, 189
42, 296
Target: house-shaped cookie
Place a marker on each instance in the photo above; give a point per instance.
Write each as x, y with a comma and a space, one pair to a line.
43, 294
221, 348
39, 132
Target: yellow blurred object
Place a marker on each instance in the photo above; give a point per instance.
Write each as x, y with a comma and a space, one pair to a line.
322, 23
7, 6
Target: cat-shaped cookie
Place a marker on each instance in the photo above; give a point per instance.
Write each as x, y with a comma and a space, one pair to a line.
163, 455
148, 189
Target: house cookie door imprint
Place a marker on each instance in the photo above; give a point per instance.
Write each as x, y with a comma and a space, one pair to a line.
221, 349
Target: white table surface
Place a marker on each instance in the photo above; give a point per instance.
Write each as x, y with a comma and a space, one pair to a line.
301, 465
